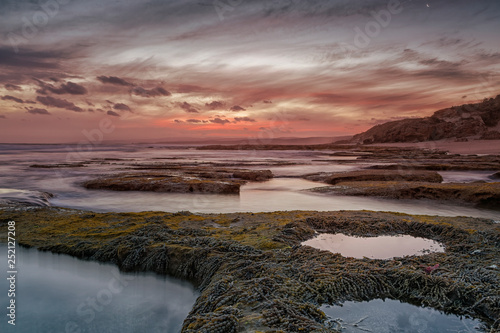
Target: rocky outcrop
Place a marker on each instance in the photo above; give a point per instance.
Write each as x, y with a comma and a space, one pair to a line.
24, 197
491, 135
59, 165
375, 175
180, 180
253, 175
254, 275
481, 194
162, 183
470, 120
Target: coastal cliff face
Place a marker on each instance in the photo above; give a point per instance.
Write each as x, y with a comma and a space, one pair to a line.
469, 121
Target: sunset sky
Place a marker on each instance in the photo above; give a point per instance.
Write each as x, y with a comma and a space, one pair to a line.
164, 69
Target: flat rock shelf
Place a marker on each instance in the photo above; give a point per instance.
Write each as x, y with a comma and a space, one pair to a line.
253, 274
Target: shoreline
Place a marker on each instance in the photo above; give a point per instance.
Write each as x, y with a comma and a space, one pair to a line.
236, 259
486, 147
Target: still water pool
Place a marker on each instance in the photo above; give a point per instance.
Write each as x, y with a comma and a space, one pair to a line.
59, 293
390, 316
381, 247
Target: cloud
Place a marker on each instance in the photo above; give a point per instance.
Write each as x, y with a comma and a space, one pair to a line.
114, 80
325, 98
65, 88
12, 98
195, 121
188, 107
2, 116
122, 107
267, 102
13, 87
247, 119
237, 108
38, 111
189, 88
215, 105
112, 113
155, 92
178, 121
28, 59
58, 103
219, 121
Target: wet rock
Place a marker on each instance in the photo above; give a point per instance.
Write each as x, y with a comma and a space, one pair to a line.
59, 165
491, 135
246, 286
253, 175
376, 175
484, 194
24, 197
162, 183
179, 179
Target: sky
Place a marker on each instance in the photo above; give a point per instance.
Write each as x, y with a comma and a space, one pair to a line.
135, 70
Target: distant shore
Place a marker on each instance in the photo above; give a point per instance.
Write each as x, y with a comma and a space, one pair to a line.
491, 147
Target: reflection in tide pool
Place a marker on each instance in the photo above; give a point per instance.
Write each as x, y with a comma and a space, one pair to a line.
389, 316
59, 293
381, 247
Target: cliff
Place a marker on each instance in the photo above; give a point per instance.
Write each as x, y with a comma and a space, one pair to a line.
468, 121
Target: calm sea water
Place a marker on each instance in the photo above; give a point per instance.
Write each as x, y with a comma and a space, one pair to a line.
282, 193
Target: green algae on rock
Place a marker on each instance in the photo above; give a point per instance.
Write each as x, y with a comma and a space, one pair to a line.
188, 180
375, 175
254, 275
481, 194
162, 183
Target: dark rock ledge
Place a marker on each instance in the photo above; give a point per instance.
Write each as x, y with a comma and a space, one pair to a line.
254, 275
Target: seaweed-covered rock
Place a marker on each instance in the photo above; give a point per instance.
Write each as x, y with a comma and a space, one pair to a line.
253, 175
376, 175
247, 285
482, 194
162, 183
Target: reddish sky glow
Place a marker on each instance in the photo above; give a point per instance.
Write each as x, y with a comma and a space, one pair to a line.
196, 69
